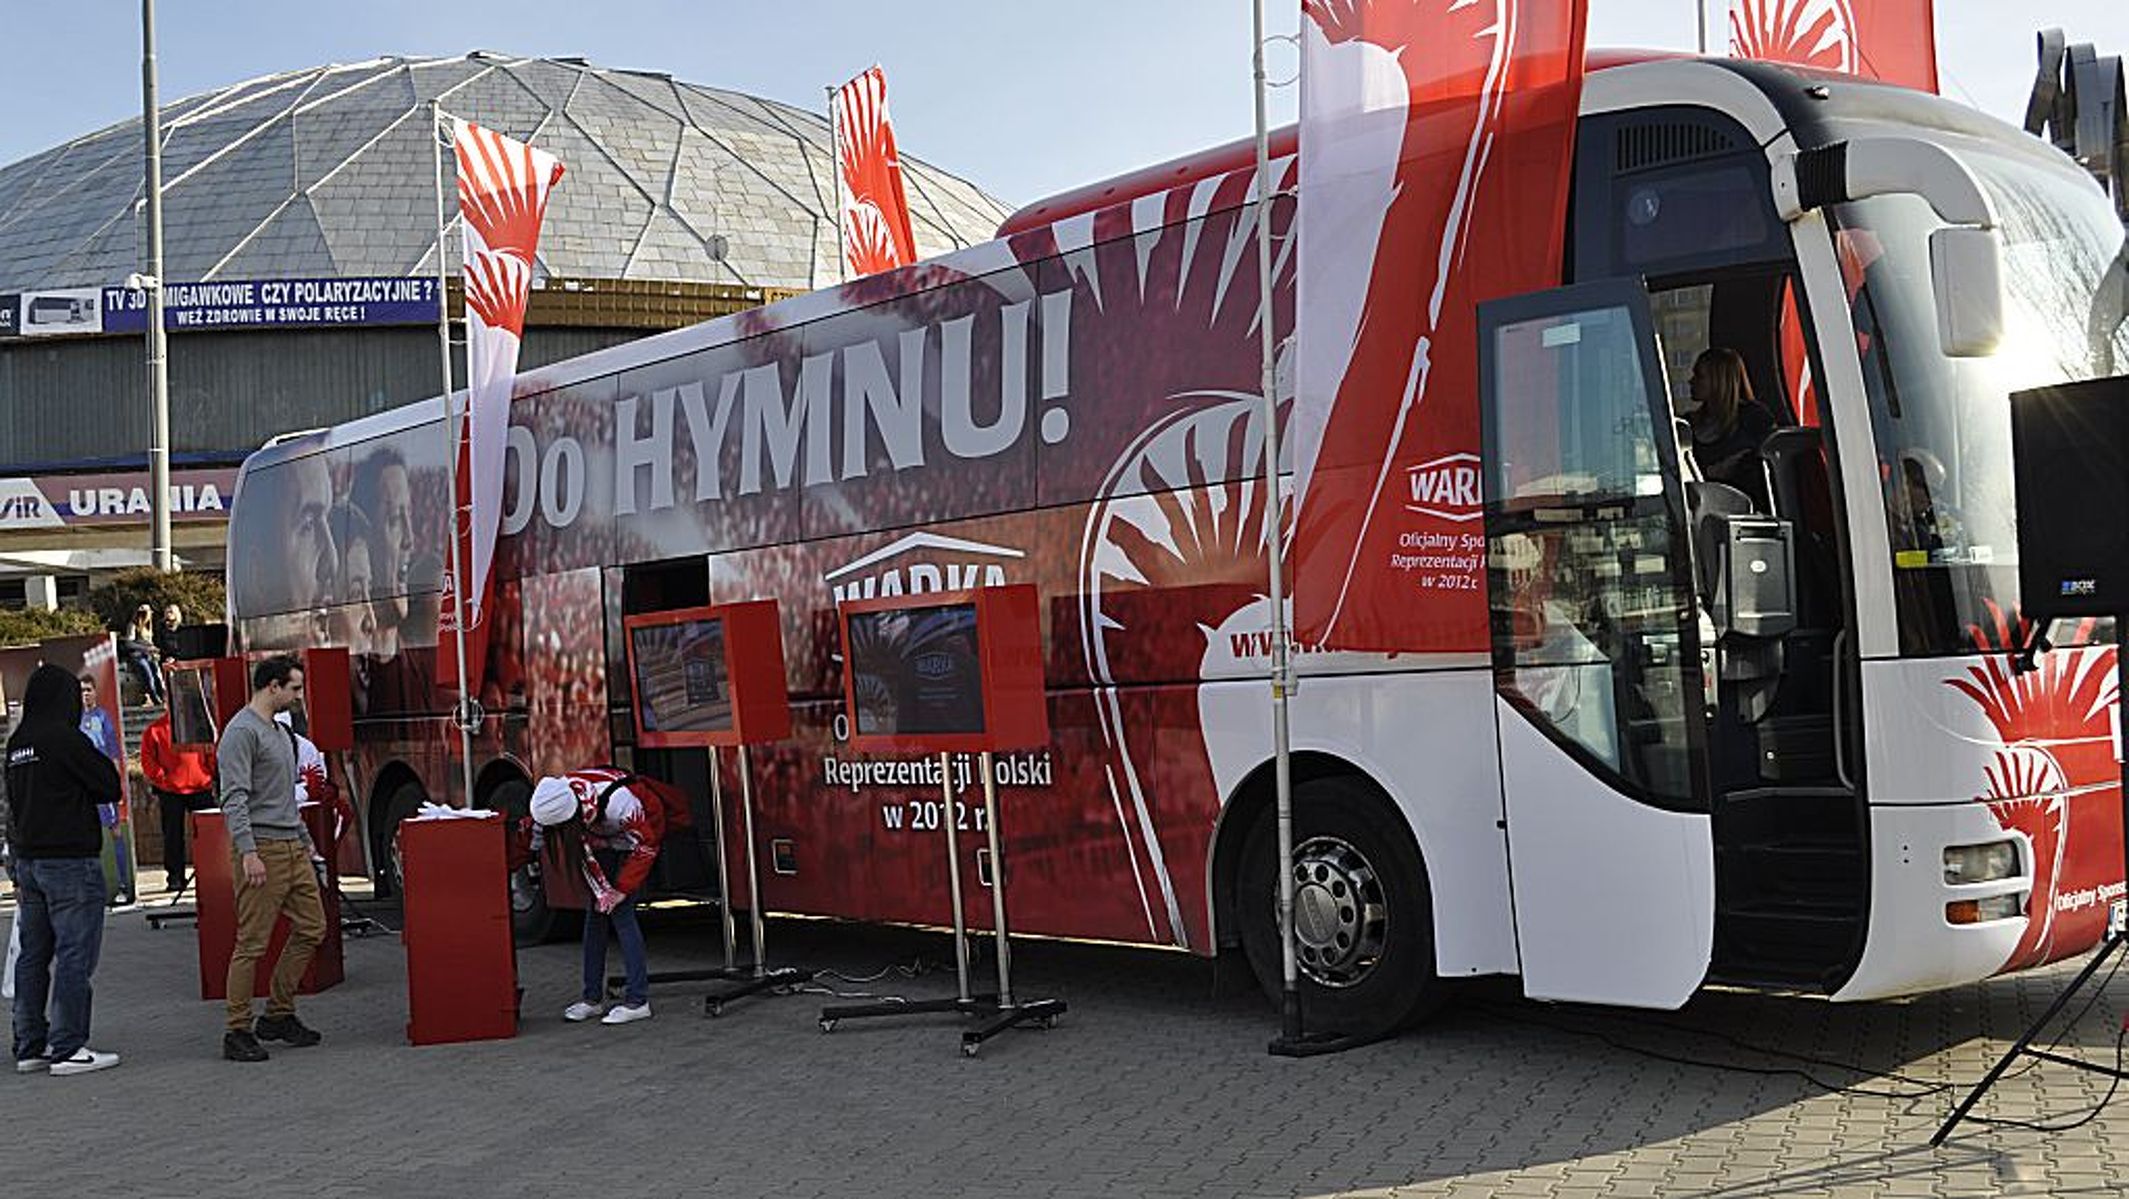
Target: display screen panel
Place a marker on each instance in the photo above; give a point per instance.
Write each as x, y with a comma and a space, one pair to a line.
916, 671
191, 707
681, 681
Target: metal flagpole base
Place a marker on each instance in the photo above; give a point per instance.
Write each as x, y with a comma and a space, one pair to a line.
2023, 1047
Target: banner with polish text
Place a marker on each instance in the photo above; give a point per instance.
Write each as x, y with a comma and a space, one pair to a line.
503, 187
875, 216
1893, 41
1437, 145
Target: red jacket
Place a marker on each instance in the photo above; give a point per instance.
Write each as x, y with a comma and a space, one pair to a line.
631, 822
168, 768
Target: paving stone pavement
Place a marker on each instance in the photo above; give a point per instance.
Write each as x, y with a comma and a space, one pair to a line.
1156, 1084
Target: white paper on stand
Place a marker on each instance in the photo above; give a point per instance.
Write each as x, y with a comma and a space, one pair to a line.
437, 811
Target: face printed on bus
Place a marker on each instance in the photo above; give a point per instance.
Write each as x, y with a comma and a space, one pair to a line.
303, 548
355, 619
394, 522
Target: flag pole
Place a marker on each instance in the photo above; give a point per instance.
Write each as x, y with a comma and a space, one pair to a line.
1275, 557
835, 172
463, 715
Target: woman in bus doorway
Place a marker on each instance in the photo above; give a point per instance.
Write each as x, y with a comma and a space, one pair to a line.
1728, 424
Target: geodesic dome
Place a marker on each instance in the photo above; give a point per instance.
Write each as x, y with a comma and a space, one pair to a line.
330, 172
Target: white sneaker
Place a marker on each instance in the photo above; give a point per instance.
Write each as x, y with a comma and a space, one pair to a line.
85, 1060
32, 1065
624, 1014
580, 1011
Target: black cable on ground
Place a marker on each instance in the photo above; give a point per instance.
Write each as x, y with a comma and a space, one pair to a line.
1922, 1088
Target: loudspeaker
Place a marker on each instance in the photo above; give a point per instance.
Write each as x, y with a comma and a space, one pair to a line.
197, 641
2070, 456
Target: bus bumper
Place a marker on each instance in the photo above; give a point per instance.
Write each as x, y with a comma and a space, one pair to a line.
1912, 944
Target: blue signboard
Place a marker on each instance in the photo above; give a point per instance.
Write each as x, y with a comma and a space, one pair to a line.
292, 303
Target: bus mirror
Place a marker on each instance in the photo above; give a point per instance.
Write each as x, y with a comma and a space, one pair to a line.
1966, 276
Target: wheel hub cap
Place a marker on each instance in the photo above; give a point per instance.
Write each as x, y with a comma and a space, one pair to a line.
1341, 921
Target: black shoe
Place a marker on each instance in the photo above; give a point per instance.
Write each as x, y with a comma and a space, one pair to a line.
242, 1047
287, 1029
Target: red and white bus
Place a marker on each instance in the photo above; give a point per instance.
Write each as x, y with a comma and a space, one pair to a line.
1664, 774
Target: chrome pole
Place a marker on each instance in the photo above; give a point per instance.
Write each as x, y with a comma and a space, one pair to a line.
463, 717
754, 903
158, 339
835, 173
998, 934
953, 871
1275, 560
724, 869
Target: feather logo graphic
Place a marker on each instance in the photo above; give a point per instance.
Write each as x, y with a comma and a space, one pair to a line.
1810, 33
2055, 725
502, 194
875, 216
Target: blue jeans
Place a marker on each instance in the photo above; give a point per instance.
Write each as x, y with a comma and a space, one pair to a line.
59, 903
635, 963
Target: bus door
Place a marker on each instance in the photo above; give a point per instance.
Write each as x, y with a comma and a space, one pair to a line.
1601, 699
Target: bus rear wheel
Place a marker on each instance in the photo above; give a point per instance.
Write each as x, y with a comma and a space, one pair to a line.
1363, 914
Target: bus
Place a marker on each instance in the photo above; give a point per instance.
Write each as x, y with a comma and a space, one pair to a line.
1670, 770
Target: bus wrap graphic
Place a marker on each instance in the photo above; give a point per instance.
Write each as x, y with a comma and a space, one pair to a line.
2054, 778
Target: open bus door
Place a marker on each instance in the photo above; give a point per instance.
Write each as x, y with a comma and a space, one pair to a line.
1597, 651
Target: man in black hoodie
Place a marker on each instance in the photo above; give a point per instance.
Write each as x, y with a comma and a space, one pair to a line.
55, 779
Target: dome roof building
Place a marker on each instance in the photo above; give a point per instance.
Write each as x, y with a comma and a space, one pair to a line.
681, 202
329, 172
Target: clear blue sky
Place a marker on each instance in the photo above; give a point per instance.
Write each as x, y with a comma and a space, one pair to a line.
1024, 98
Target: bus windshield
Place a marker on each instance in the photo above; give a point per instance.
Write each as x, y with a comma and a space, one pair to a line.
1942, 425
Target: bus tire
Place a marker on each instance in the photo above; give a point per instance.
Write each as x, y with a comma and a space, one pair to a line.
403, 801
532, 922
1365, 968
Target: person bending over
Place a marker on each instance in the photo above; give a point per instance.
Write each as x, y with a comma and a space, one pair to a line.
621, 820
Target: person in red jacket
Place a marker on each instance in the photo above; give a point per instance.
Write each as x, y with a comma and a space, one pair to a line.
182, 781
622, 820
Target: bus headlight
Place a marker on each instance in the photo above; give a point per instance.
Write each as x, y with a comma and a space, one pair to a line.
1980, 863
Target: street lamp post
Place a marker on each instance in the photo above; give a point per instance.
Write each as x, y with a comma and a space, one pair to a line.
158, 364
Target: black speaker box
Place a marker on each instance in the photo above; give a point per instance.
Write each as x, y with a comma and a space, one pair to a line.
2070, 455
196, 641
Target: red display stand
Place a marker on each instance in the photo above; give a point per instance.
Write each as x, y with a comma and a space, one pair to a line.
946, 672
461, 961
214, 874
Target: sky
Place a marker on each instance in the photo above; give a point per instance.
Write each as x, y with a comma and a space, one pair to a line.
1025, 99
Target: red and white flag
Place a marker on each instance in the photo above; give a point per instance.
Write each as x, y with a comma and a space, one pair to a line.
1889, 40
1437, 144
503, 187
875, 216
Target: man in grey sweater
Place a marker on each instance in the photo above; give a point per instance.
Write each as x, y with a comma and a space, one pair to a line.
256, 759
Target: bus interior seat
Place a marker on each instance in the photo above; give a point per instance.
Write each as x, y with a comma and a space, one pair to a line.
1795, 460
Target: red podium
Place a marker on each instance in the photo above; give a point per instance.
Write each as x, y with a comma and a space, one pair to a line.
461, 961
214, 874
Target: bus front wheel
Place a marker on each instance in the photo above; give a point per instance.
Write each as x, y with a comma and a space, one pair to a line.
1363, 915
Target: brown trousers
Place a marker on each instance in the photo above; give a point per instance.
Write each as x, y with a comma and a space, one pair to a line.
292, 890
